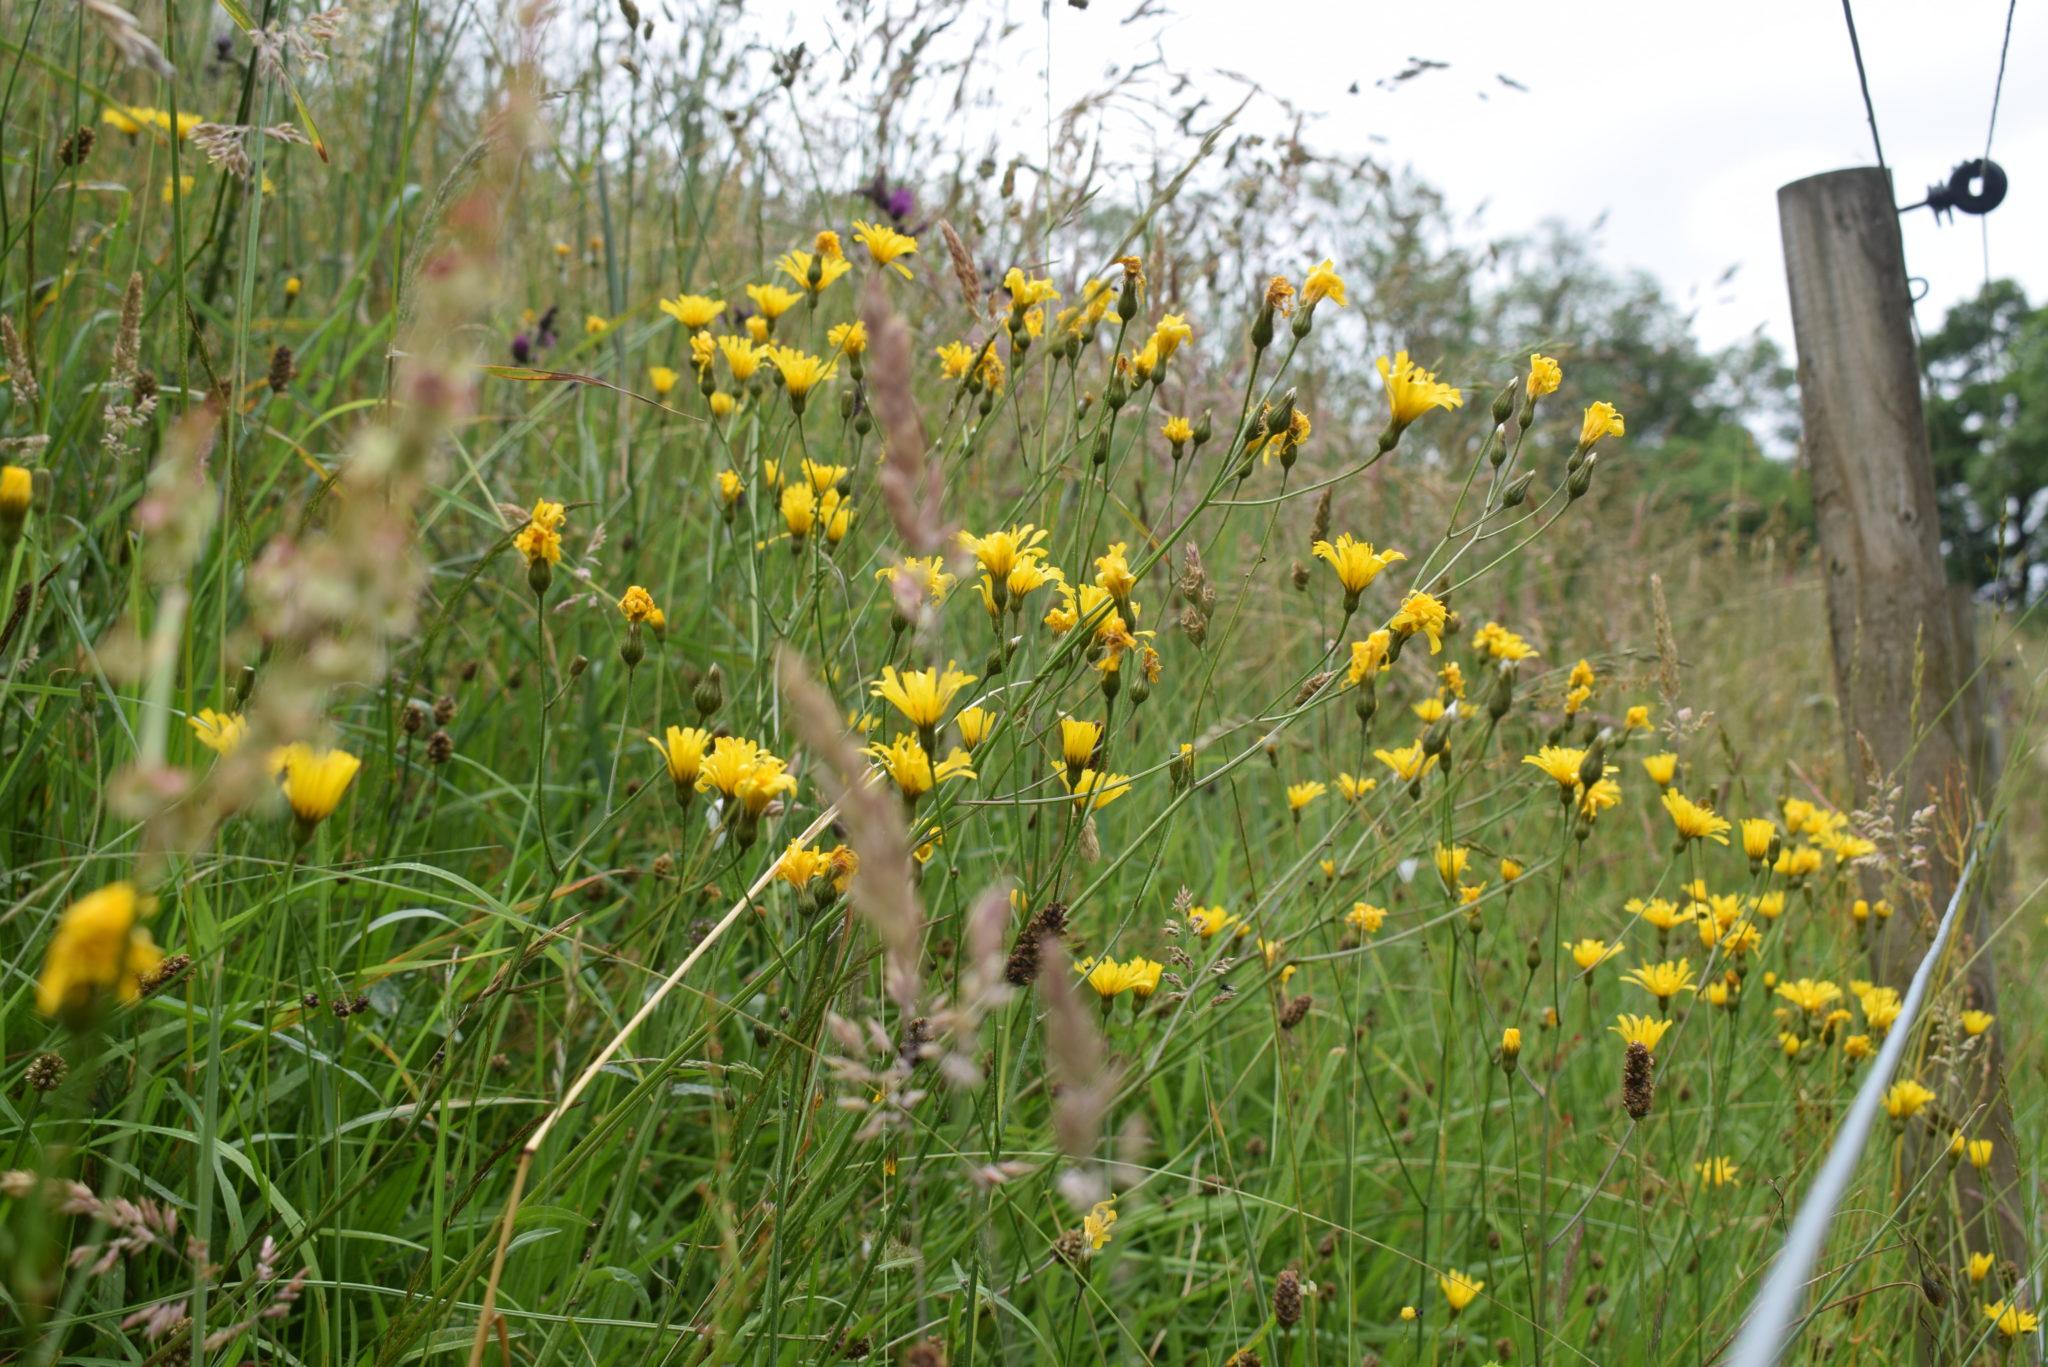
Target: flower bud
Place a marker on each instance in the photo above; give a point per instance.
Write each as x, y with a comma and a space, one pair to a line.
1516, 492
1203, 429
539, 574
1262, 328
709, 694
1504, 402
1580, 480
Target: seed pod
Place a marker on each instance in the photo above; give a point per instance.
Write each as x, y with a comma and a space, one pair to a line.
1638, 1081
1047, 923
1287, 1299
1295, 1012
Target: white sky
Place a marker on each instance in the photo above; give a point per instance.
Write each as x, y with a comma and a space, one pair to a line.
1680, 121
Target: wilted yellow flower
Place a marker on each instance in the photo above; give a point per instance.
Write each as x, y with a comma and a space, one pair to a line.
1095, 1224
976, 724
730, 487
1369, 657
1500, 643
636, 604
1601, 421
1421, 612
885, 245
1450, 864
1694, 820
1322, 282
219, 732
1412, 391
693, 311
540, 541
1545, 375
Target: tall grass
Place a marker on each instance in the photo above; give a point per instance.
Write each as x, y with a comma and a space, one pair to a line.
512, 1045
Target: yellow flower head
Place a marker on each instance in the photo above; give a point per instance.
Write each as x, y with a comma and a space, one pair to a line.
315, 780
219, 732
1545, 375
886, 246
814, 272
1561, 763
1809, 994
907, 764
1647, 1031
1719, 1171
800, 864
1662, 980
1351, 787
1412, 391
683, 751
1093, 790
1592, 953
801, 372
1299, 795
848, 339
1500, 643
2010, 1320
1976, 1022
662, 379
1904, 1100
921, 695
1356, 562
773, 300
693, 311
1365, 918
1178, 431
1408, 761
1459, 1290
1694, 820
98, 950
1662, 769
1001, 551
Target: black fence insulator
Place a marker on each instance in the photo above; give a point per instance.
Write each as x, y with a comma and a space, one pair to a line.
1975, 187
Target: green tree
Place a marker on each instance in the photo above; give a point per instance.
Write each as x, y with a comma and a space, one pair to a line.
1987, 422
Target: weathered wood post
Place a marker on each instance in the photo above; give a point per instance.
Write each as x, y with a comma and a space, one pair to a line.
1904, 656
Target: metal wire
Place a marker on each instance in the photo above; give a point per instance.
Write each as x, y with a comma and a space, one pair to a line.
1774, 1315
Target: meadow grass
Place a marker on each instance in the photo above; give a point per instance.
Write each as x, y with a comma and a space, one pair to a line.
1246, 976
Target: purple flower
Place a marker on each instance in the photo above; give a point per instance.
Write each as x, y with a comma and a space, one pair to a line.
900, 203
522, 348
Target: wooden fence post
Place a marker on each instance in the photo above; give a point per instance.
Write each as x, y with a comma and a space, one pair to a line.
1904, 655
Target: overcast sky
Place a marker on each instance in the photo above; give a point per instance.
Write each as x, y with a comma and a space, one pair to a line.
1680, 121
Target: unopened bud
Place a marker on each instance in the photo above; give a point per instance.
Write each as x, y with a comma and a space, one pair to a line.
1516, 492
709, 694
1504, 402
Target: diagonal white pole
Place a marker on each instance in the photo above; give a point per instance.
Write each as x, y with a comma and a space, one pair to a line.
1771, 1321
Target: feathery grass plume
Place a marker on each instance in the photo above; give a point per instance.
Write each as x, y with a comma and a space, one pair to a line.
913, 488
21, 376
964, 273
130, 43
884, 890
1076, 1057
1667, 643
